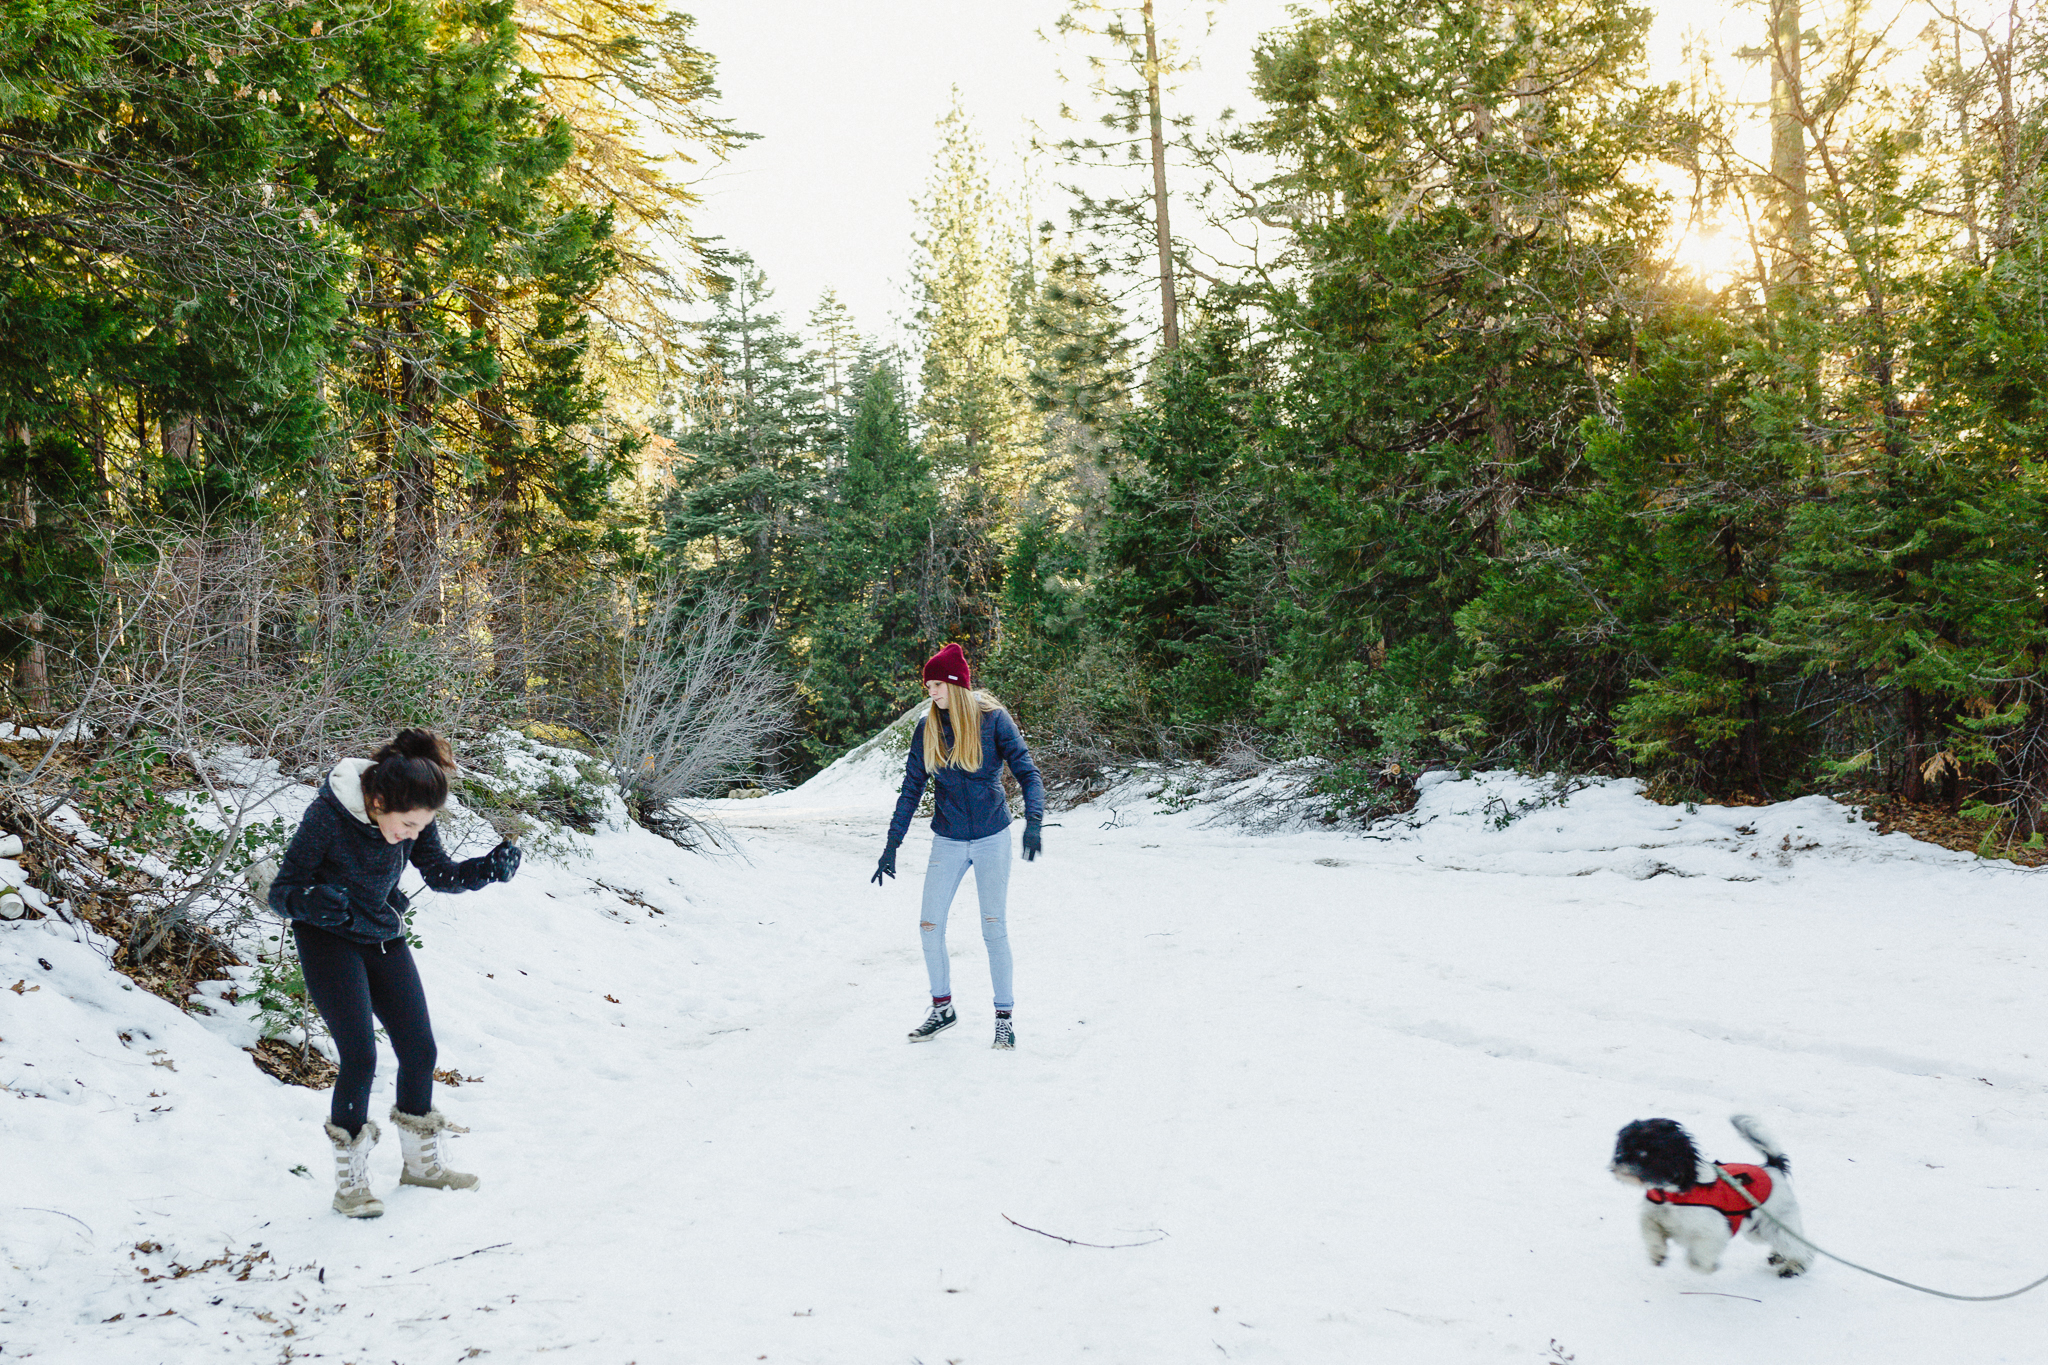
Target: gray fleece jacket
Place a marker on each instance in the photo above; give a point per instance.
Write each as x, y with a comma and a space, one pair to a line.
339, 845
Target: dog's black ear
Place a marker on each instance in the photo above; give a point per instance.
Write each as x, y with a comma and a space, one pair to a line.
1683, 1157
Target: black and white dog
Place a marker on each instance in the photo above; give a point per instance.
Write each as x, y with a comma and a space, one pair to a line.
1688, 1200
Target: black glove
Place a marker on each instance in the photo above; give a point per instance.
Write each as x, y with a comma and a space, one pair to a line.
398, 901
503, 861
323, 907
1033, 843
474, 874
886, 866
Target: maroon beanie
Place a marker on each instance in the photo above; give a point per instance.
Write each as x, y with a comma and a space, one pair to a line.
948, 665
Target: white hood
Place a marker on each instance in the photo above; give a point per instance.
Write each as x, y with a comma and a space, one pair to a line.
346, 782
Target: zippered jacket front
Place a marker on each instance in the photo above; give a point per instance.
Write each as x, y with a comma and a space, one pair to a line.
969, 805
337, 844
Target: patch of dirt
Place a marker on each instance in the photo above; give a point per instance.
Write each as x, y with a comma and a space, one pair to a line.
98, 888
73, 763
280, 1059
240, 1267
1937, 824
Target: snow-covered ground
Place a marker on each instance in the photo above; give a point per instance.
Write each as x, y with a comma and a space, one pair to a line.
1347, 1098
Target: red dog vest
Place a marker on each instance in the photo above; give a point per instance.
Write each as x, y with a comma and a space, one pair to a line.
1719, 1197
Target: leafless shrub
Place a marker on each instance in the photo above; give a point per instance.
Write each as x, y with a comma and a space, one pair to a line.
1240, 754
214, 646
302, 650
702, 701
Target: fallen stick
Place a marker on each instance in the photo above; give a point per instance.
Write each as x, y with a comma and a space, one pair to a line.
1717, 1294
463, 1257
61, 1214
1099, 1246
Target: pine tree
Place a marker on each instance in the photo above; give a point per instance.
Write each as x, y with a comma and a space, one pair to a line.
978, 431
1629, 629
1191, 550
165, 291
835, 350
1466, 192
1131, 66
468, 338
1919, 575
627, 77
873, 611
750, 430
1080, 381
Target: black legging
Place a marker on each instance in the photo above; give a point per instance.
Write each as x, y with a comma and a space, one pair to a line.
347, 982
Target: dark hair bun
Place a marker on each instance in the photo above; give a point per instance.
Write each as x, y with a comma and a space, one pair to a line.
409, 773
418, 744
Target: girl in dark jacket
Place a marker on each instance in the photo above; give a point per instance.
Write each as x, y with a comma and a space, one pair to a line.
338, 884
961, 745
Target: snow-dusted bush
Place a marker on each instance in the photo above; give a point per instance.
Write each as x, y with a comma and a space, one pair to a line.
515, 786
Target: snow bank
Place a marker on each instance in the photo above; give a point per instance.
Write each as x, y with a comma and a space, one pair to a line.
860, 777
150, 1164
1354, 1094
1531, 827
15, 881
1516, 825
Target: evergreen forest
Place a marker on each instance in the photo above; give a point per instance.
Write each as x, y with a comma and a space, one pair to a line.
365, 364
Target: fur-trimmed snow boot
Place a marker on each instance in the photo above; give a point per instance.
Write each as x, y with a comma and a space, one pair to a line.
352, 1195
419, 1137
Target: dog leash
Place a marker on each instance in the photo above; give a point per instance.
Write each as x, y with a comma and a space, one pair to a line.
1938, 1293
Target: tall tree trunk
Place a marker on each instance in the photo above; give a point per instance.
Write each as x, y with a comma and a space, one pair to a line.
33, 671
141, 465
413, 484
2011, 174
505, 493
326, 547
1972, 248
377, 518
1790, 219
96, 408
1913, 786
1752, 743
180, 439
1169, 305
35, 665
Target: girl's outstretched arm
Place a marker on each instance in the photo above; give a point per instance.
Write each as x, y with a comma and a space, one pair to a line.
443, 873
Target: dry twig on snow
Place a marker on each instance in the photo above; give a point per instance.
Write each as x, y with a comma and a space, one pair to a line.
1099, 1246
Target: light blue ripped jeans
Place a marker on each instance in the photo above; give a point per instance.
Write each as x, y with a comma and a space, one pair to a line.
990, 859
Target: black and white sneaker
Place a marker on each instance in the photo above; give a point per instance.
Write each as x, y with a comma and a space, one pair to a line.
938, 1021
1006, 1035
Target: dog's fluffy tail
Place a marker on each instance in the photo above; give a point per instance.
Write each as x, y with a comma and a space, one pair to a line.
1758, 1137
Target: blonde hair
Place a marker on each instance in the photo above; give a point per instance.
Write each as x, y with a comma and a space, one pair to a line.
966, 753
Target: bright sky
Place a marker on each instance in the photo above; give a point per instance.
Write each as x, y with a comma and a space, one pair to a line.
844, 97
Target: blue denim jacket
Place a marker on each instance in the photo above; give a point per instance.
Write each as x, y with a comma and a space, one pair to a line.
969, 805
